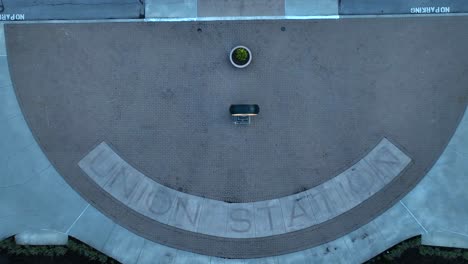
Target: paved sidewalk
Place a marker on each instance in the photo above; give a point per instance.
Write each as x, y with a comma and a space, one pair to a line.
414, 7
296, 9
17, 10
239, 8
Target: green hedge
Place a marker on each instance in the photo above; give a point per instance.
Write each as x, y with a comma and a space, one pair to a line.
393, 254
9, 247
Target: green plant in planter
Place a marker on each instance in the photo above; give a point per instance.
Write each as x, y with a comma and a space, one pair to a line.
241, 54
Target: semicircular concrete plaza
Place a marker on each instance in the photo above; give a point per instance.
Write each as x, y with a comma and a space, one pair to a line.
134, 116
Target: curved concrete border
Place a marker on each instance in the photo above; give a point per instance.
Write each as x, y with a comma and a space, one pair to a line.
244, 220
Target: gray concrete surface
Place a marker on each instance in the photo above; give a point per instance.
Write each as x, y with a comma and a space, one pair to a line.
171, 8
2, 42
446, 238
297, 9
77, 9
92, 227
125, 117
311, 8
439, 203
370, 7
217, 8
394, 225
124, 245
238, 9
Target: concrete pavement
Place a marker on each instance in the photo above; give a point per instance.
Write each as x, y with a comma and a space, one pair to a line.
19, 10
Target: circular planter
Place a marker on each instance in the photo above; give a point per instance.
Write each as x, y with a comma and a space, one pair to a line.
236, 62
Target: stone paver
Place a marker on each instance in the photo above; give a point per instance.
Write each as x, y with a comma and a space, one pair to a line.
333, 252
152, 252
364, 242
15, 173
213, 218
2, 42
268, 217
8, 104
311, 8
272, 260
445, 238
123, 245
171, 8
49, 198
5, 77
294, 258
237, 8
396, 225
92, 227
184, 257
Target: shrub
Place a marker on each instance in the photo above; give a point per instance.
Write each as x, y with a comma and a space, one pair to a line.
241, 54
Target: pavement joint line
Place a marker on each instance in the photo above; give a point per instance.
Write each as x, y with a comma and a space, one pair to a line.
173, 259
108, 237
282, 215
10, 85
414, 217
453, 232
25, 181
76, 220
22, 149
460, 153
141, 250
46, 229
348, 249
176, 254
6, 86
11, 117
46, 168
